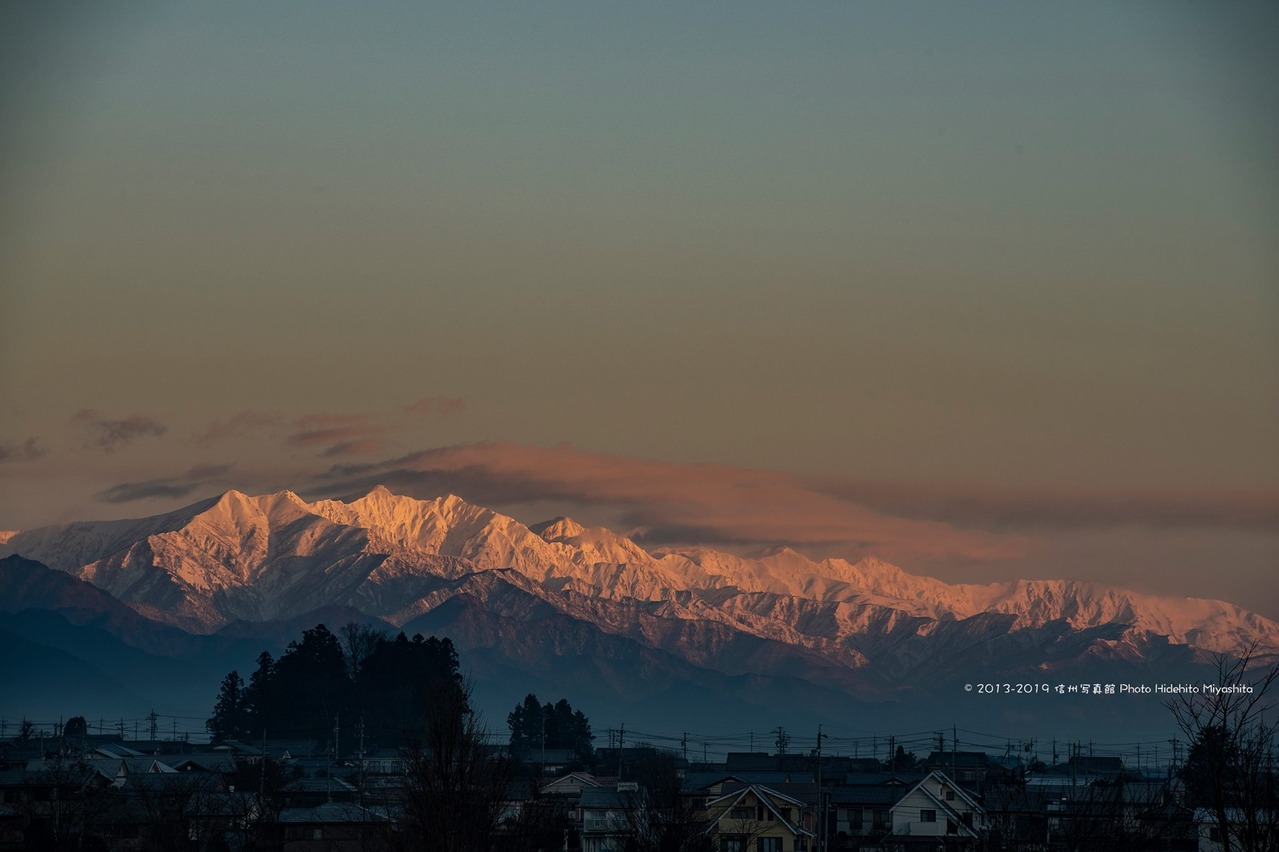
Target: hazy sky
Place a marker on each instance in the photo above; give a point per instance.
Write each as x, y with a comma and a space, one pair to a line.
988, 289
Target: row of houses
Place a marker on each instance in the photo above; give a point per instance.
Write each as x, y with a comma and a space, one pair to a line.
739, 815
297, 796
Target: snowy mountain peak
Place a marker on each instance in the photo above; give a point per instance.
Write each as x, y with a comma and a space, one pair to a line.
558, 529
238, 556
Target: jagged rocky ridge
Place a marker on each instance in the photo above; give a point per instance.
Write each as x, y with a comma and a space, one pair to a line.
868, 628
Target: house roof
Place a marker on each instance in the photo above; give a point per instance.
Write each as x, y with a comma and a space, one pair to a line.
317, 785
607, 798
117, 750
702, 780
567, 782
331, 812
203, 782
207, 761
767, 797
943, 806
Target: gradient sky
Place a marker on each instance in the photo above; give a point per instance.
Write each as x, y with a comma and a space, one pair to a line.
991, 290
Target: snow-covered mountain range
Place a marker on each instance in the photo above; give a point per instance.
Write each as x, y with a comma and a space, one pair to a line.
531, 598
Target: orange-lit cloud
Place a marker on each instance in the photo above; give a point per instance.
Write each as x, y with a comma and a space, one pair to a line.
236, 426
107, 434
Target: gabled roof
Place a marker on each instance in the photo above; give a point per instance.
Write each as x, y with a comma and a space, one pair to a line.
943, 806
958, 788
766, 796
608, 798
697, 781
585, 779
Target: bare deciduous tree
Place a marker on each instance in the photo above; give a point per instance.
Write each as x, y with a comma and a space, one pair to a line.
1230, 770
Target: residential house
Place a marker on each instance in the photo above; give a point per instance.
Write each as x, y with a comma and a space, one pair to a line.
862, 811
330, 827
609, 816
936, 808
755, 818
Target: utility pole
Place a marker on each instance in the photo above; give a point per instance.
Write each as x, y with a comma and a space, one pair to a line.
262, 778
361, 761
153, 719
621, 744
954, 748
684, 744
821, 797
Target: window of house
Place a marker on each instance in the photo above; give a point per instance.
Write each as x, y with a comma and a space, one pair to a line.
769, 844
927, 815
732, 843
740, 813
879, 818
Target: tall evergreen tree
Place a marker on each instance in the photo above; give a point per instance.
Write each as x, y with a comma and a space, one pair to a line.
230, 717
260, 696
556, 726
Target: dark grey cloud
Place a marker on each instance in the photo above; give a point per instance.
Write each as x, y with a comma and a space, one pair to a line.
108, 434
360, 446
338, 434
28, 450
199, 477
151, 489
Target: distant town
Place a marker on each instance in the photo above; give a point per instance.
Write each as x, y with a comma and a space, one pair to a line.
550, 786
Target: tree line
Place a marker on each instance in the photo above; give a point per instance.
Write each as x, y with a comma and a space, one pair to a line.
392, 684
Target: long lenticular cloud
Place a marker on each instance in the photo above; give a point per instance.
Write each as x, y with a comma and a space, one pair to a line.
667, 503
